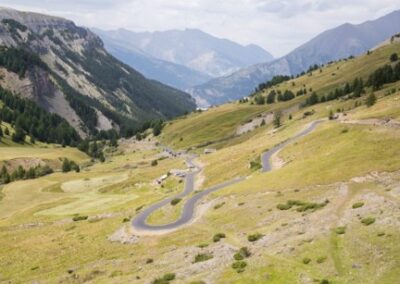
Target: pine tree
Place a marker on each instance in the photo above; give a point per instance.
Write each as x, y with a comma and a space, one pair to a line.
277, 119
394, 57
66, 166
19, 135
371, 100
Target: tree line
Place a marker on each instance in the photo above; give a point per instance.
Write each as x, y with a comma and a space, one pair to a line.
29, 119
355, 89
20, 173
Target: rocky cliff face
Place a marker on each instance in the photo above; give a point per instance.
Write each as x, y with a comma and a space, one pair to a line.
65, 69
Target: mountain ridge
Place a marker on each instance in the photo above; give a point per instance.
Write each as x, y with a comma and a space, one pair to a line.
87, 86
353, 39
192, 48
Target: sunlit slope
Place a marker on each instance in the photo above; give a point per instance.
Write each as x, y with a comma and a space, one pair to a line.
219, 124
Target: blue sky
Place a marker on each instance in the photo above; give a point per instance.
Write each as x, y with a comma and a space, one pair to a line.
277, 25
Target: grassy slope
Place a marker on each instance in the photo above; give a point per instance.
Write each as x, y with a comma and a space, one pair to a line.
35, 216
221, 123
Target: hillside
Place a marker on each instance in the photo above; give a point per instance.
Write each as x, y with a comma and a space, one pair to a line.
341, 42
221, 123
66, 70
192, 48
327, 212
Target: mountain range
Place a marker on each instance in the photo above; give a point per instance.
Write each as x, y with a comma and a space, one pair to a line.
181, 58
334, 44
66, 70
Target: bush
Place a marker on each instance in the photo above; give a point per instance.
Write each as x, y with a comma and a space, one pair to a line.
242, 254
284, 206
256, 164
340, 230
255, 237
79, 218
219, 205
302, 206
394, 57
238, 256
368, 221
218, 237
239, 266
165, 279
324, 281
358, 205
154, 163
306, 260
175, 201
202, 257
169, 276
371, 100
321, 259
149, 260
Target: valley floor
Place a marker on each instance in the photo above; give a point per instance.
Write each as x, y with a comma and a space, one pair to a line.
329, 212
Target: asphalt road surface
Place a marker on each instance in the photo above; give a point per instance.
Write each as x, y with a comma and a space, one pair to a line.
139, 222
266, 157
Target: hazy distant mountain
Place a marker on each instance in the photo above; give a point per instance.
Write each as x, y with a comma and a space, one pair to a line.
169, 73
191, 48
333, 44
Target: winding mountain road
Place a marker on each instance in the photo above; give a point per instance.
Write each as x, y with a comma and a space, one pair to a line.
139, 222
266, 157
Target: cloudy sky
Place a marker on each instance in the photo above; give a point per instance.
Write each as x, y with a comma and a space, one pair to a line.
277, 25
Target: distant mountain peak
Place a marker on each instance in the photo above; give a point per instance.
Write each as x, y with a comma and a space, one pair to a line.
340, 42
194, 49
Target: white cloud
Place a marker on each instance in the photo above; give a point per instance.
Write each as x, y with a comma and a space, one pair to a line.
277, 25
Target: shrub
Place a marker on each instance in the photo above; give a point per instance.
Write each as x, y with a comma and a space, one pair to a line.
219, 205
321, 259
358, 205
154, 163
255, 237
302, 206
238, 256
371, 100
165, 279
202, 245
79, 218
242, 254
169, 276
198, 282
149, 260
306, 260
239, 266
175, 201
284, 206
324, 281
312, 206
340, 230
218, 237
368, 221
394, 57
202, 257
